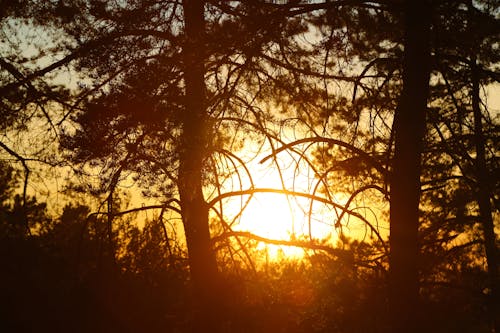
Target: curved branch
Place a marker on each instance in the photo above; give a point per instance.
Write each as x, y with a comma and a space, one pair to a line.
360, 190
166, 205
362, 75
296, 243
230, 156
83, 50
366, 157
228, 229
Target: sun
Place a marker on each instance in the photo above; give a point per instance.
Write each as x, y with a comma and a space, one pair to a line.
281, 204
269, 215
278, 216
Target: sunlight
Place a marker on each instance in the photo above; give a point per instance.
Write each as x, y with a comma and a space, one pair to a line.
270, 216
281, 202
282, 217
298, 218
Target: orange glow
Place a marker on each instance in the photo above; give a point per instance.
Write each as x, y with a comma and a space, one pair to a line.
279, 216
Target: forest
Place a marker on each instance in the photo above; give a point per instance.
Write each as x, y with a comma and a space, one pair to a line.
249, 166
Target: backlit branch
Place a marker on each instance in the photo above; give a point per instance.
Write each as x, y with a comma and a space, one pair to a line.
360, 190
166, 205
362, 154
296, 243
82, 51
303, 195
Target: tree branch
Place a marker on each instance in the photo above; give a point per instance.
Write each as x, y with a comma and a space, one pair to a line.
296, 243
362, 154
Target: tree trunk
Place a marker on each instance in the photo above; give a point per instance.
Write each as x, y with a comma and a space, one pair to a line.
483, 200
193, 147
409, 128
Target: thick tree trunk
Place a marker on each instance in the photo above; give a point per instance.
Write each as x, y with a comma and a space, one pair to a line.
483, 200
405, 181
194, 144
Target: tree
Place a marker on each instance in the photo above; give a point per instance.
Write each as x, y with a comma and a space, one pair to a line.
193, 145
465, 132
409, 125
409, 118
148, 104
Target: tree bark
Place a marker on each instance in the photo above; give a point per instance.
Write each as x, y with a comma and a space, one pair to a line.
409, 128
193, 148
483, 201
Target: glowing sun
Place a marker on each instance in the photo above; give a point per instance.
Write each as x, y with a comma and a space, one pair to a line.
278, 216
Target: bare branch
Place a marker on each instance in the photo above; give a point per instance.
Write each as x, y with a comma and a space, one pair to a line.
366, 157
296, 243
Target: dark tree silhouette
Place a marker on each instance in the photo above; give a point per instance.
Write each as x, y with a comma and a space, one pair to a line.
194, 143
409, 126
